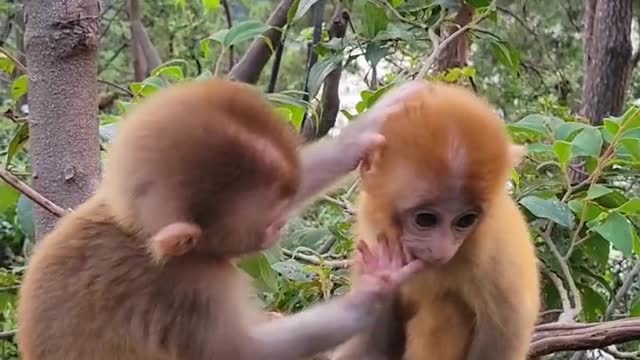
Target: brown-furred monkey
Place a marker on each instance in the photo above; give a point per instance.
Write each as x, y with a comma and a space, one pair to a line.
198, 175
438, 186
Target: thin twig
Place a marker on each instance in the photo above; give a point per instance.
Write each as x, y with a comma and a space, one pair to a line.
14, 59
566, 272
7, 334
29, 192
438, 47
626, 285
567, 309
114, 85
227, 13
314, 260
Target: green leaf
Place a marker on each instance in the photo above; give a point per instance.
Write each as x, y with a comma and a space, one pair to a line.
396, 3
632, 146
534, 124
597, 249
562, 150
618, 231
565, 130
394, 32
551, 209
146, 88
303, 8
292, 270
374, 20
259, 268
592, 212
8, 197
506, 55
172, 72
18, 140
19, 87
630, 207
539, 148
6, 64
243, 31
594, 305
631, 118
320, 71
634, 308
374, 53
612, 199
611, 127
587, 143
210, 5
25, 217
478, 4
596, 191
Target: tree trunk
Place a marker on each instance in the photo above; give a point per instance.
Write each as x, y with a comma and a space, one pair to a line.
145, 55
330, 95
61, 39
456, 54
607, 58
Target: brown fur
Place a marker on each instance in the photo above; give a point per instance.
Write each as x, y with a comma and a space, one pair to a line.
199, 174
447, 146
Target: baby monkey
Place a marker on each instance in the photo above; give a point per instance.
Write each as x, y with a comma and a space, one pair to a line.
438, 186
199, 174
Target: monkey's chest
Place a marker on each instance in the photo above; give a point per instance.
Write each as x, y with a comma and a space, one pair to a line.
439, 325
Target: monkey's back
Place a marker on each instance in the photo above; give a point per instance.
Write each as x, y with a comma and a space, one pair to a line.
90, 293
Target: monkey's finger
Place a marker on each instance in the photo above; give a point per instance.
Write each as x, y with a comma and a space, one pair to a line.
384, 253
366, 255
407, 272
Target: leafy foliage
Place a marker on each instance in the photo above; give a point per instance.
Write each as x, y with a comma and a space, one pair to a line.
578, 185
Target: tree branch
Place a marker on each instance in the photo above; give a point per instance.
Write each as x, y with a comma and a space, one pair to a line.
438, 46
250, 66
227, 13
29, 192
555, 337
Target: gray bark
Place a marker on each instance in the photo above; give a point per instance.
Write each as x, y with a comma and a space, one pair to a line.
607, 58
61, 41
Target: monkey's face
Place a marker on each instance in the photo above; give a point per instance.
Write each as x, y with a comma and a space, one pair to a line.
434, 233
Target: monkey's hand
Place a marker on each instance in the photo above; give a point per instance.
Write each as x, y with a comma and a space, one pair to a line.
363, 133
382, 273
326, 161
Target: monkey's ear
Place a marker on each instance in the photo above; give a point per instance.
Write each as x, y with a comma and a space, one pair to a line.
516, 153
175, 239
371, 155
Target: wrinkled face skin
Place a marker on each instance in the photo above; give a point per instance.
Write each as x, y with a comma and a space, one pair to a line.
434, 232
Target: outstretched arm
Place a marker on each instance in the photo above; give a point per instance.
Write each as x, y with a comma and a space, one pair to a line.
327, 325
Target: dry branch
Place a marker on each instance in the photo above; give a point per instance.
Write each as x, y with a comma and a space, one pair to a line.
555, 337
29, 192
250, 66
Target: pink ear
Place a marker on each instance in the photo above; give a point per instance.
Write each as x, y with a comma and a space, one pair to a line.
175, 239
374, 144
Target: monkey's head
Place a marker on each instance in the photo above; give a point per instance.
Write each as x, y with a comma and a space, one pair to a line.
446, 157
205, 168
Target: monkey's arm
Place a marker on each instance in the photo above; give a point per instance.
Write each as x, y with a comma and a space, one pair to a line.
315, 330
329, 159
325, 326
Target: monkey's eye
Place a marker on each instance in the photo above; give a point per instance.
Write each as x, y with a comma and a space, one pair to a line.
466, 221
426, 220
